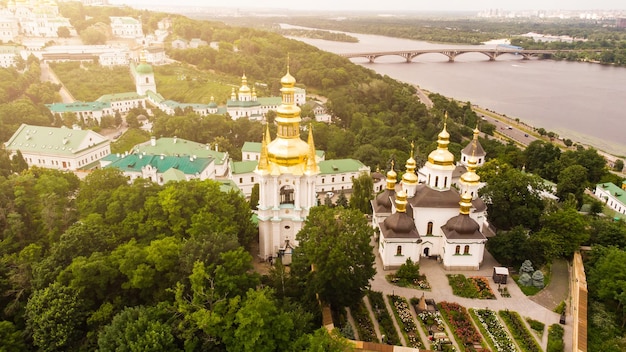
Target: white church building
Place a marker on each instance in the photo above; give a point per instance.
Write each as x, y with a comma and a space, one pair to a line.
432, 218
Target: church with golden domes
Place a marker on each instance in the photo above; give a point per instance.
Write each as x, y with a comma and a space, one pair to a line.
287, 170
430, 217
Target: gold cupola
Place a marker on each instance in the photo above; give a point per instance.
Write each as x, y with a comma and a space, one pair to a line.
391, 178
471, 177
465, 203
442, 156
401, 202
409, 176
288, 149
244, 89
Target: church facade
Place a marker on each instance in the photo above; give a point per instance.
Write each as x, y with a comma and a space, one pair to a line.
432, 218
287, 170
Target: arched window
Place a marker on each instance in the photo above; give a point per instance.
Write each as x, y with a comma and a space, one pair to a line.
399, 250
436, 181
445, 182
466, 250
429, 228
457, 250
286, 195
147, 79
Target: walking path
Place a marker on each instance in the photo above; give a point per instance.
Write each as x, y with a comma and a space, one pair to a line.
558, 289
441, 291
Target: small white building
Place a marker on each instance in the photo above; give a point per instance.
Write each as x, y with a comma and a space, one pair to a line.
613, 196
59, 148
126, 27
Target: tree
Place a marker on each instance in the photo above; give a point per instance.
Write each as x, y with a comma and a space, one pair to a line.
572, 180
260, 325
513, 199
510, 247
342, 201
63, 32
335, 244
11, 337
565, 230
137, 329
619, 165
93, 36
56, 316
362, 193
254, 197
607, 276
324, 341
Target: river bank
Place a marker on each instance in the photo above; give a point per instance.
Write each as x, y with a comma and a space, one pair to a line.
518, 123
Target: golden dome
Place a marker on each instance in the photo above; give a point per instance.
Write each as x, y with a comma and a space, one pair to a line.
244, 85
466, 203
391, 178
288, 149
471, 176
442, 156
409, 176
288, 81
401, 202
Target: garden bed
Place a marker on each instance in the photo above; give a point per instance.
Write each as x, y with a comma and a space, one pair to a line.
555, 338
472, 287
364, 325
519, 331
420, 283
385, 324
462, 328
493, 331
405, 320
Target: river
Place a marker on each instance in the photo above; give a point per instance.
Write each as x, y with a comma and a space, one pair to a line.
584, 102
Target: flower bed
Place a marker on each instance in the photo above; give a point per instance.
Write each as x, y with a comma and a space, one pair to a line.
519, 331
421, 283
405, 320
384, 319
493, 330
364, 325
462, 328
473, 287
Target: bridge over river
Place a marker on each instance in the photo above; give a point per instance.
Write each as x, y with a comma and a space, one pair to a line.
491, 53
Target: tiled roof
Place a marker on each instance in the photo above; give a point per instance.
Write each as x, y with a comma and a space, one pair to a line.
135, 162
53, 140
243, 167
179, 147
336, 166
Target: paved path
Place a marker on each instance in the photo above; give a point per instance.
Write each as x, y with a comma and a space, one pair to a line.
441, 291
558, 288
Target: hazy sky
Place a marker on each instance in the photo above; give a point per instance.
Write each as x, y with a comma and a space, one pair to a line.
397, 5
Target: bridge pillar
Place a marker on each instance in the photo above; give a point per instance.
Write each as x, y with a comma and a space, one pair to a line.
371, 59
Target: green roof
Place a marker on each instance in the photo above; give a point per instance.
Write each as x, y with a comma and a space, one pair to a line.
179, 147
135, 162
615, 191
78, 106
270, 101
255, 147
144, 68
155, 96
337, 166
242, 104
53, 140
243, 167
228, 185
120, 97
173, 175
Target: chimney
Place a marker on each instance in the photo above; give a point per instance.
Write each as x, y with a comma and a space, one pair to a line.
175, 139
153, 141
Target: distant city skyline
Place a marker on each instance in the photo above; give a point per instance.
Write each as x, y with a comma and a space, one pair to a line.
383, 6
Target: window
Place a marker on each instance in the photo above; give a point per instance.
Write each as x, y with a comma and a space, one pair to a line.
147, 80
240, 180
466, 250
445, 182
399, 250
457, 250
436, 181
252, 179
429, 228
480, 160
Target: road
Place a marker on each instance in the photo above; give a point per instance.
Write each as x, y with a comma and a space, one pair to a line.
510, 131
48, 75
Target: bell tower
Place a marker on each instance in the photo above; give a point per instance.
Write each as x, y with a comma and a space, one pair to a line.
287, 171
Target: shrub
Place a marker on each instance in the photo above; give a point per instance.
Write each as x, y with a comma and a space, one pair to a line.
536, 325
525, 279
363, 322
555, 339
384, 319
560, 308
527, 267
538, 279
408, 271
519, 331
